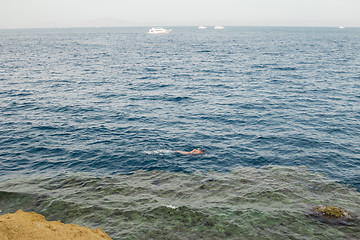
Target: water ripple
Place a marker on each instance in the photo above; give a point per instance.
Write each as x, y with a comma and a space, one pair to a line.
103, 99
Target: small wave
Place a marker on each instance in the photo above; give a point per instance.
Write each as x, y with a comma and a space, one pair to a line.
272, 53
144, 77
204, 51
285, 68
259, 66
177, 99
45, 127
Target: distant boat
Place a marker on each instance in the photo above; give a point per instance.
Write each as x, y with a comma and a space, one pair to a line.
219, 27
158, 30
202, 27
341, 27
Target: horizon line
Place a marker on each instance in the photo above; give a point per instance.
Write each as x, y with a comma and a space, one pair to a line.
210, 25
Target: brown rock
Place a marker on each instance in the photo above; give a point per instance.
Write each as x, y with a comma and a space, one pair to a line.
25, 225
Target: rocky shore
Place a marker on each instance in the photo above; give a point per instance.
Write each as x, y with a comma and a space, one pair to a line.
29, 225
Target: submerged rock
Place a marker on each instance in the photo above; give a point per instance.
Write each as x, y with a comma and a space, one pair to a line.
332, 214
29, 225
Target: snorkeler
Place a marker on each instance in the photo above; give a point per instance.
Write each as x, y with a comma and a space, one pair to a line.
193, 152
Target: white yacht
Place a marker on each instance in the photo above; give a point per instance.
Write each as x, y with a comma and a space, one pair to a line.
158, 30
219, 27
202, 27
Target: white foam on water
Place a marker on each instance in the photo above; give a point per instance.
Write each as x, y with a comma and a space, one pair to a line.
170, 206
159, 152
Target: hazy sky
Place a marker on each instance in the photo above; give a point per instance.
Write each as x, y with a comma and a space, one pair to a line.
57, 13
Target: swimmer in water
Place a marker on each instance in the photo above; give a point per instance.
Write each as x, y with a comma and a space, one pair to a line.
193, 152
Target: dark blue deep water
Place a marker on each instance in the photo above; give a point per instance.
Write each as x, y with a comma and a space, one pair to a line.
108, 101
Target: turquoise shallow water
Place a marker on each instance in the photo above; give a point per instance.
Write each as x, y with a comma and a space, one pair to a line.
271, 202
90, 120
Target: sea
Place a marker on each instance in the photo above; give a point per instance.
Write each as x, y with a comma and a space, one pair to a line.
90, 119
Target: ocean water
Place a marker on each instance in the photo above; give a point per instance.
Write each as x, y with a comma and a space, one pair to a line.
90, 119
